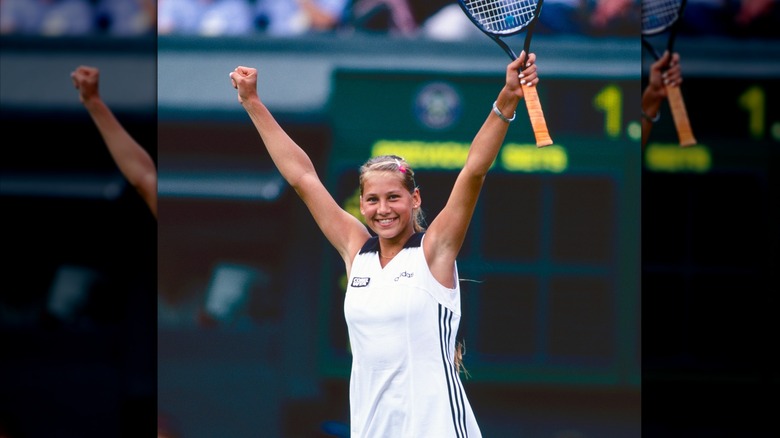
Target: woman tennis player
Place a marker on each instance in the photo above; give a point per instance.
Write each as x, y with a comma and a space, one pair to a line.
402, 304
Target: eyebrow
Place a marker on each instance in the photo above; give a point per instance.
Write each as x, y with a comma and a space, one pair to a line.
390, 192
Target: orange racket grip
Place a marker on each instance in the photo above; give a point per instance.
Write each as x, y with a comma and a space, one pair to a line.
538, 123
680, 116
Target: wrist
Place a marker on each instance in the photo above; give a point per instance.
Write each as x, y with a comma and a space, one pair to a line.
507, 102
507, 99
654, 118
501, 115
651, 108
91, 102
252, 99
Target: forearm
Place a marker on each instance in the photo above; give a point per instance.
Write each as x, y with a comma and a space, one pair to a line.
130, 157
651, 105
290, 159
489, 139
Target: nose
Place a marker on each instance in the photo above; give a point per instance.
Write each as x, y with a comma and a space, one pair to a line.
384, 207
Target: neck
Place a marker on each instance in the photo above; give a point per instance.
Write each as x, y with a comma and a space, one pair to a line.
396, 246
383, 252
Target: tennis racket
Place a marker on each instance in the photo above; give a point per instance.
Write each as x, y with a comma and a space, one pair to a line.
503, 18
659, 18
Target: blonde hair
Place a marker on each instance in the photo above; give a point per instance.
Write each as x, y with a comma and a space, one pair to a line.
460, 351
394, 164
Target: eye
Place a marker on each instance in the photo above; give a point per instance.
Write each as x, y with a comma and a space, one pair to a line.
371, 200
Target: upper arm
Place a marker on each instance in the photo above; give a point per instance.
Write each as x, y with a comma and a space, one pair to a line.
147, 188
344, 231
446, 233
448, 230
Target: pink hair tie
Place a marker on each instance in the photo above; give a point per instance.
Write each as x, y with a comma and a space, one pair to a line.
400, 166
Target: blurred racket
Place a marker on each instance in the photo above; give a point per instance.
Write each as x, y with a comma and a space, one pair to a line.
661, 18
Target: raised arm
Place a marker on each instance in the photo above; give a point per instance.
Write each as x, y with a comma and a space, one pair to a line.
344, 231
446, 233
130, 157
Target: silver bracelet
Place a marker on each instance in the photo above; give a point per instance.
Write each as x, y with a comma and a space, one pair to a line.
501, 116
652, 119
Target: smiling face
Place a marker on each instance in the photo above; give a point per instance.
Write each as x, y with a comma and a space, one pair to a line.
387, 205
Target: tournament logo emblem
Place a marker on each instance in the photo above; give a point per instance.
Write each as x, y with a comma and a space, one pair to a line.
437, 105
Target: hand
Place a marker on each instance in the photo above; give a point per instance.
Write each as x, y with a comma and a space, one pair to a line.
85, 79
665, 72
244, 79
672, 76
518, 77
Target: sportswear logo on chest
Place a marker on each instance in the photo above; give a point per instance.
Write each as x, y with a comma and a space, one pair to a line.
360, 281
404, 274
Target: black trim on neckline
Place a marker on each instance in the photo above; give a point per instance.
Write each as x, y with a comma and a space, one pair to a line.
372, 244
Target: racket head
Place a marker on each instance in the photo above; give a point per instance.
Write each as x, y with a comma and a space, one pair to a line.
660, 15
502, 18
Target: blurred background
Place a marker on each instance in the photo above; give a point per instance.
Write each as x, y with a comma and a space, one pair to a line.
247, 317
78, 299
710, 229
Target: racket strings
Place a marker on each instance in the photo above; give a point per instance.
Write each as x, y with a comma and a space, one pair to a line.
659, 14
502, 16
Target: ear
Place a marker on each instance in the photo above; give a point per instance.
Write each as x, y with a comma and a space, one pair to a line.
416, 198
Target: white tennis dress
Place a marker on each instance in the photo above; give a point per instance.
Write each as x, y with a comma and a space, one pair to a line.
402, 325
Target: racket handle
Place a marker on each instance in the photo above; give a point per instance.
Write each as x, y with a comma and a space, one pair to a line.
538, 123
680, 116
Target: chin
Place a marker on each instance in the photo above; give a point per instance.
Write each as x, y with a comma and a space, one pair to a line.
385, 233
